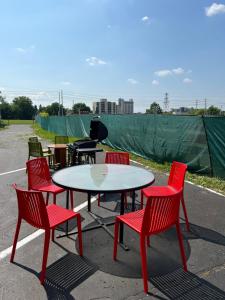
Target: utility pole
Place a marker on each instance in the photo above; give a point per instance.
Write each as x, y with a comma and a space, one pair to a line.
62, 102
205, 101
59, 104
196, 104
166, 102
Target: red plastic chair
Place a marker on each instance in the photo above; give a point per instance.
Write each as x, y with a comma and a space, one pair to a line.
122, 158
39, 179
175, 183
32, 209
161, 213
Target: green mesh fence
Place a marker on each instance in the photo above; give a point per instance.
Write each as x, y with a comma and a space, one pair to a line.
197, 141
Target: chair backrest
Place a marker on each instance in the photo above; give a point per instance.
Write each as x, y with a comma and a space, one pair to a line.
61, 139
122, 158
33, 139
35, 149
31, 207
38, 173
177, 175
161, 212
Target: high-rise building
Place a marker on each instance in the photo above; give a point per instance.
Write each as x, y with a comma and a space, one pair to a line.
107, 107
125, 107
104, 107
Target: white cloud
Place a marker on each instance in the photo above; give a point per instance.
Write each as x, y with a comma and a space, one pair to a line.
175, 71
155, 82
214, 9
25, 50
178, 71
187, 80
132, 81
21, 50
163, 73
145, 19
93, 61
65, 83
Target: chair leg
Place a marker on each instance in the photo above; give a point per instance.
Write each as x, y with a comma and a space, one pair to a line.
116, 235
80, 235
142, 199
53, 234
15, 239
148, 241
54, 198
185, 213
71, 200
180, 238
45, 256
144, 263
47, 198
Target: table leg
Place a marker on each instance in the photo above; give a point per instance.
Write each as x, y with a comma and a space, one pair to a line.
60, 156
121, 213
89, 202
67, 206
133, 201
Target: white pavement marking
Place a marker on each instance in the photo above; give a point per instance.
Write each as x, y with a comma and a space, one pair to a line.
14, 171
37, 233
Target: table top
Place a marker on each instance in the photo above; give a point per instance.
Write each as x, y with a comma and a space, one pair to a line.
57, 146
89, 150
103, 178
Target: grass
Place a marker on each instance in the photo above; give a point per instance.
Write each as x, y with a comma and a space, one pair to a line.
17, 122
47, 134
213, 183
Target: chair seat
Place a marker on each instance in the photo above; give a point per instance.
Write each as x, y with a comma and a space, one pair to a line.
152, 191
51, 188
133, 219
47, 154
46, 150
58, 215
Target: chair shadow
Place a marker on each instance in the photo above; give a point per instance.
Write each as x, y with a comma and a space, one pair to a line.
186, 285
164, 268
199, 232
178, 284
64, 275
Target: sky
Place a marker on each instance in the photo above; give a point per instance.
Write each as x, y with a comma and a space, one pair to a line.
92, 49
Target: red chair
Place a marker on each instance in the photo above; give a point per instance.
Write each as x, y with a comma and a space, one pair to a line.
161, 213
32, 209
175, 183
39, 179
122, 158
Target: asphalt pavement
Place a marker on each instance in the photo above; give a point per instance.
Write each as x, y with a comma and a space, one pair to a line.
96, 275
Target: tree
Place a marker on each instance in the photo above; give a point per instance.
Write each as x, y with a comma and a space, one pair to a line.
5, 108
213, 110
22, 108
80, 107
54, 109
154, 109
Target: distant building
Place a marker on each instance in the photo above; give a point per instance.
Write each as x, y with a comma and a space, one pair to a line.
181, 111
104, 107
107, 107
125, 107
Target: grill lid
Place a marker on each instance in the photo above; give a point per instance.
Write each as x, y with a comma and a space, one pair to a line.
98, 130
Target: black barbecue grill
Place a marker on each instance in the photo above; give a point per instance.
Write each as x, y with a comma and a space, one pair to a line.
84, 150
